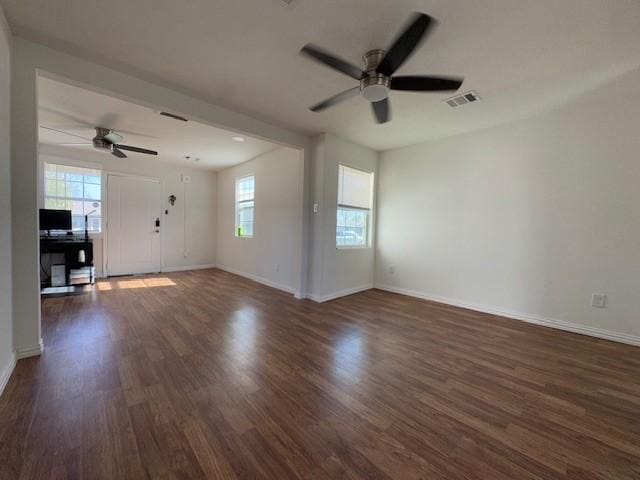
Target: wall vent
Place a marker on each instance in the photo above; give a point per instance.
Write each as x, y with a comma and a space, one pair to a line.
462, 99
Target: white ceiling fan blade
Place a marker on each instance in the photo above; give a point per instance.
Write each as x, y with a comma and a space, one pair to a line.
65, 133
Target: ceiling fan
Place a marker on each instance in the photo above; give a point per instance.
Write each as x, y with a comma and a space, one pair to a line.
377, 78
107, 139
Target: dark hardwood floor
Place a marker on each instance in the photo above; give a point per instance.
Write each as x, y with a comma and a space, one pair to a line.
208, 375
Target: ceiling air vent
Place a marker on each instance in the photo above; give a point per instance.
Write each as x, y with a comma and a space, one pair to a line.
459, 100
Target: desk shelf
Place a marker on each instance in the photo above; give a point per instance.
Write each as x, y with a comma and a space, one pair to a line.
77, 272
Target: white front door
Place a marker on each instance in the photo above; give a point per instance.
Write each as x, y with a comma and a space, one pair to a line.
133, 230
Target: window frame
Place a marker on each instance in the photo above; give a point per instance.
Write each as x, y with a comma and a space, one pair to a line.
238, 202
369, 211
96, 172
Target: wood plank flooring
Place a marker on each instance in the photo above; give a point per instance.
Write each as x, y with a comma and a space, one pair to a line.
207, 375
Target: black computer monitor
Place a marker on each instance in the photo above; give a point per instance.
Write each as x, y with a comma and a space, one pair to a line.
55, 219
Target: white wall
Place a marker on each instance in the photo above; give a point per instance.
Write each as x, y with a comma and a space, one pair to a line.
528, 219
336, 272
200, 211
272, 256
7, 358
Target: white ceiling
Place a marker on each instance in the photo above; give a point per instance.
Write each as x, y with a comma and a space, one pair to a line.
521, 56
77, 111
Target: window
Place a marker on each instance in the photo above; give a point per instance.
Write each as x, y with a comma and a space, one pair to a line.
355, 197
245, 205
76, 189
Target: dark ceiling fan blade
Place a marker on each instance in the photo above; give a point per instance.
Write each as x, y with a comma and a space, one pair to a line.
117, 153
134, 149
424, 83
330, 60
382, 110
406, 43
330, 102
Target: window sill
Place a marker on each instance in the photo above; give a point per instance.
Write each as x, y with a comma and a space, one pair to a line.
354, 247
244, 236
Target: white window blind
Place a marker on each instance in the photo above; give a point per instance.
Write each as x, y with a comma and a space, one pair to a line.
76, 189
355, 197
245, 206
355, 188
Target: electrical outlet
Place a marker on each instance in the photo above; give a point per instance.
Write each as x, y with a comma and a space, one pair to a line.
392, 269
277, 267
316, 208
599, 300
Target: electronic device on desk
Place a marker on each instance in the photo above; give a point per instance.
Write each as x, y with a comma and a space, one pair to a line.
55, 220
86, 225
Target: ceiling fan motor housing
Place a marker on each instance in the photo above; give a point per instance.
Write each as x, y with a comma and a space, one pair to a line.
105, 137
374, 86
100, 142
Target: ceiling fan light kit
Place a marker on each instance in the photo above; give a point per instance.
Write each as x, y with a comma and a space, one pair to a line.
374, 86
377, 78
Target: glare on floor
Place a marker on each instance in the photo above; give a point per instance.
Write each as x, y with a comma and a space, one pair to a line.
135, 283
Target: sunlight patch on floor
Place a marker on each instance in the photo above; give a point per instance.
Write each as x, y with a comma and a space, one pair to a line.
105, 285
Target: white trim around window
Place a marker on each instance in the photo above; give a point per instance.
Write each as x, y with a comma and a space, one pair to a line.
245, 206
78, 189
354, 213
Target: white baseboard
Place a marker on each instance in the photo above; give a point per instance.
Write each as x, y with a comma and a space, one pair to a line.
259, 279
20, 353
188, 267
5, 373
30, 351
535, 319
341, 293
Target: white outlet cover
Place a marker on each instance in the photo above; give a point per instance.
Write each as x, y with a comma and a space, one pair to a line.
392, 269
599, 300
